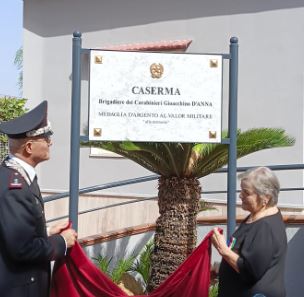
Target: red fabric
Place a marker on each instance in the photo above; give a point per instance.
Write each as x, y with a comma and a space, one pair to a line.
77, 276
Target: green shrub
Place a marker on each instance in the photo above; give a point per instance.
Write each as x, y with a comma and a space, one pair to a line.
10, 108
143, 264
103, 264
140, 264
122, 266
213, 290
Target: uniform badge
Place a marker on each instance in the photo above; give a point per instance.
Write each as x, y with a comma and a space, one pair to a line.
14, 182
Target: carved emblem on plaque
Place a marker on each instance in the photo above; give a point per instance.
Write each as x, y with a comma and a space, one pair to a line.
156, 70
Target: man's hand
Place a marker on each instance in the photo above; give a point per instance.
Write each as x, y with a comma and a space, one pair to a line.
57, 228
70, 236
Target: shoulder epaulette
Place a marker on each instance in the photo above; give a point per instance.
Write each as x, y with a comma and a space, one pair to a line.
15, 181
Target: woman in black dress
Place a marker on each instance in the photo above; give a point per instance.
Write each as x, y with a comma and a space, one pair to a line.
254, 261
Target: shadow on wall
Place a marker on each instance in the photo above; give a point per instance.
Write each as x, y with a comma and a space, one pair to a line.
295, 265
54, 18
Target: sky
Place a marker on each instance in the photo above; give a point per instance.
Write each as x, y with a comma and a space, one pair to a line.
11, 40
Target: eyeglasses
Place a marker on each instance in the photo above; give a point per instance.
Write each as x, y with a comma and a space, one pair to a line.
46, 139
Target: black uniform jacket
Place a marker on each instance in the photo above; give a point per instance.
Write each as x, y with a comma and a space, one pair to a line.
25, 248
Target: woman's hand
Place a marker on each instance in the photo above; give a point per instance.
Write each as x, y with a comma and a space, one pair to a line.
219, 242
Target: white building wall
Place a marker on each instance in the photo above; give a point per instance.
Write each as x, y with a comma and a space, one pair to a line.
271, 72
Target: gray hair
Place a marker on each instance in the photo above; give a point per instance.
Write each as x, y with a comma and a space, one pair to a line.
264, 182
15, 144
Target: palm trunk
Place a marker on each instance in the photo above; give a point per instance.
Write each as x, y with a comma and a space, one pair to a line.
175, 235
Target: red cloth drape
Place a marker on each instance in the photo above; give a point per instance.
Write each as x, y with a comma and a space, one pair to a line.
77, 276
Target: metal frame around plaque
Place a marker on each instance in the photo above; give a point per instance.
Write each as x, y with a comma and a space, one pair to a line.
231, 141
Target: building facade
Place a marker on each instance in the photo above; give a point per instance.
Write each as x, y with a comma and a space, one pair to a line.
271, 73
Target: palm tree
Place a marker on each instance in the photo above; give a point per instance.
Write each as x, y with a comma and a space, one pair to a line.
18, 62
180, 165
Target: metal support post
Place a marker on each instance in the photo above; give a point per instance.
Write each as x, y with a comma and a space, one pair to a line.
75, 130
232, 130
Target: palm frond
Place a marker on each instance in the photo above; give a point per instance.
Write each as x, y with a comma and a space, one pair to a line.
154, 149
148, 160
103, 264
194, 159
161, 158
172, 159
188, 153
247, 142
123, 266
179, 157
204, 205
143, 264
